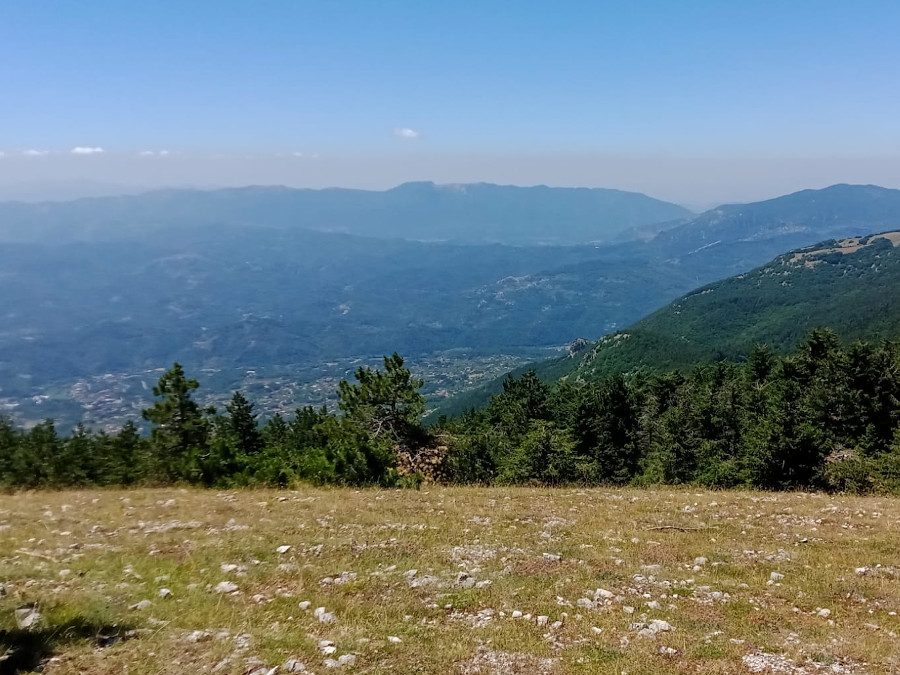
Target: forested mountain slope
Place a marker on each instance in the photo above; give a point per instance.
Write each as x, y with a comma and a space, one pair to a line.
850, 285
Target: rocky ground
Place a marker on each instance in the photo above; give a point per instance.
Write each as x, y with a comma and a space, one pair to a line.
448, 580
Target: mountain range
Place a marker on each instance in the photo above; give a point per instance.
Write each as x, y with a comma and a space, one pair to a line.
247, 280
467, 213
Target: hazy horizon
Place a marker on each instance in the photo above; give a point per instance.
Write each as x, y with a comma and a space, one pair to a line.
697, 104
697, 183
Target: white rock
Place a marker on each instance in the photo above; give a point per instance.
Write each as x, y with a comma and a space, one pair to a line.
284, 548
294, 666
323, 616
824, 613
393, 639
27, 617
198, 636
602, 593
542, 620
142, 605
667, 651
700, 561
165, 592
552, 557
304, 605
516, 614
225, 587
228, 567
347, 659
775, 577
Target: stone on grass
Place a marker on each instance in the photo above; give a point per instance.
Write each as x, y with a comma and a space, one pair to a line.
27, 616
603, 594
165, 592
284, 548
225, 587
294, 666
323, 616
304, 605
142, 605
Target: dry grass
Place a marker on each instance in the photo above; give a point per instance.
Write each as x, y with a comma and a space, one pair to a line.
85, 557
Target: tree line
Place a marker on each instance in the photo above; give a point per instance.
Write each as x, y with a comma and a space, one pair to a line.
826, 416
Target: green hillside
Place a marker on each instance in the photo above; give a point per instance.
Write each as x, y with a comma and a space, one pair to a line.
850, 285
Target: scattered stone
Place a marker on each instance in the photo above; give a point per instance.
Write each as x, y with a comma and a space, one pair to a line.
775, 577
516, 614
465, 580
284, 548
394, 640
487, 661
304, 605
603, 594
327, 647
226, 587
198, 636
824, 613
28, 616
165, 593
652, 629
323, 616
552, 557
294, 666
142, 605
543, 620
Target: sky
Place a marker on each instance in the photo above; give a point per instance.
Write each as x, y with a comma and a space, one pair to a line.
697, 102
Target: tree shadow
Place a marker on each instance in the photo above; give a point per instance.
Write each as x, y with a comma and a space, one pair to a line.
26, 650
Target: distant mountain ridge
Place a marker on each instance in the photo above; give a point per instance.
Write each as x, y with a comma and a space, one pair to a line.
835, 211
422, 211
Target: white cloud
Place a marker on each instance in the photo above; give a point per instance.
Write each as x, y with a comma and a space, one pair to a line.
153, 153
2, 154
86, 150
406, 133
31, 152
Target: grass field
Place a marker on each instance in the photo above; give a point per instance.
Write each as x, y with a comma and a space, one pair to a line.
449, 580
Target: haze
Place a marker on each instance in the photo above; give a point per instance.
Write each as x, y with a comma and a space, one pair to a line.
697, 104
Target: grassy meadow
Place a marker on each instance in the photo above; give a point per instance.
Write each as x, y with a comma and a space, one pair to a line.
448, 580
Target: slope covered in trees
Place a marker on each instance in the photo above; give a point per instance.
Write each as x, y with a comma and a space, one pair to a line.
849, 285
825, 416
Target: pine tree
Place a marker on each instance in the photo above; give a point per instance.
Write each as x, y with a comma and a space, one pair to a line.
243, 426
179, 437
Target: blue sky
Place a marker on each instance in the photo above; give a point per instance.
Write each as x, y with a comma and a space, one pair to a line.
428, 86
